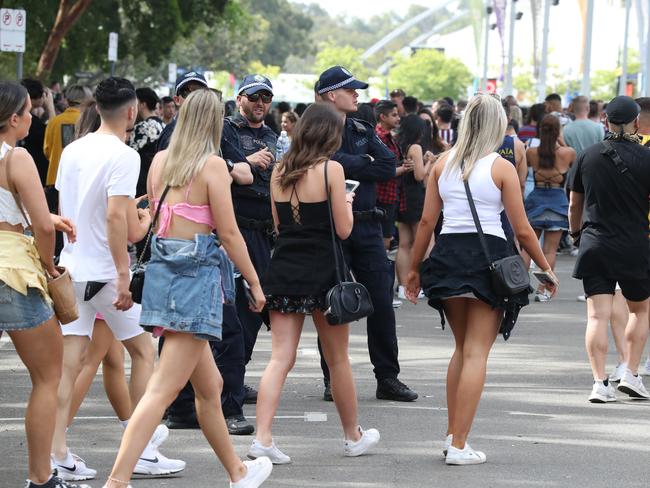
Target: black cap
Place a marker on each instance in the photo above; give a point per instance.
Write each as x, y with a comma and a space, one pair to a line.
255, 83
622, 110
338, 77
187, 77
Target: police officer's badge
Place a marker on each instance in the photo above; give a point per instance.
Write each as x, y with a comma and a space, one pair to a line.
346, 71
259, 78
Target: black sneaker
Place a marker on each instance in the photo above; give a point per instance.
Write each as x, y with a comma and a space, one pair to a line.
238, 425
250, 397
55, 482
327, 393
186, 422
393, 389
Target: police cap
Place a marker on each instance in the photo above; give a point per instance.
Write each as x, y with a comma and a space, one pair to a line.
255, 83
185, 78
338, 77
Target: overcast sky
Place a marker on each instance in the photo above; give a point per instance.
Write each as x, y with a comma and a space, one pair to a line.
360, 8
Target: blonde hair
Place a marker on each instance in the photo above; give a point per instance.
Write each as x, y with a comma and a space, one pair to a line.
481, 131
196, 137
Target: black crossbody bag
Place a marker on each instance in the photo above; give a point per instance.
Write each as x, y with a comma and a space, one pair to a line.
138, 271
347, 301
508, 275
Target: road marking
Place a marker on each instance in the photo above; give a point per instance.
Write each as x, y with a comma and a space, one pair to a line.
307, 417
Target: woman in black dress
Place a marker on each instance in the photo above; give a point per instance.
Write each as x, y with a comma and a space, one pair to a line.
413, 138
302, 272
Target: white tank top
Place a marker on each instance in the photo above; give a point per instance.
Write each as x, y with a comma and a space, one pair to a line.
9, 211
486, 195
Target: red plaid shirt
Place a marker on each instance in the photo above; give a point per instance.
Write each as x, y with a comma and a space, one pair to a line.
387, 191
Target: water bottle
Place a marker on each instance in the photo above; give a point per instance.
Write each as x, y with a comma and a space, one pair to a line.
282, 146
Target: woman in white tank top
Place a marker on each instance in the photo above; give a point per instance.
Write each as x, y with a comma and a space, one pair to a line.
456, 277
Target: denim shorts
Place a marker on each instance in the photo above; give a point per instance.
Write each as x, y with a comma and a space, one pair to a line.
184, 286
20, 312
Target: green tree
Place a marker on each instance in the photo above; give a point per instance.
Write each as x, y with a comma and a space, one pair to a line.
287, 32
430, 75
349, 57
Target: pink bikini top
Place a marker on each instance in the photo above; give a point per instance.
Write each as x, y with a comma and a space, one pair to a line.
200, 214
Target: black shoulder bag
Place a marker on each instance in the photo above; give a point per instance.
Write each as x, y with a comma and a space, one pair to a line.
509, 275
347, 301
138, 270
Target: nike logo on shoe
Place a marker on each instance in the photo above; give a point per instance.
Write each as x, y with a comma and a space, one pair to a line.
73, 468
154, 460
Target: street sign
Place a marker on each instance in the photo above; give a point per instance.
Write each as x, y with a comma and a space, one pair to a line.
112, 46
12, 30
171, 73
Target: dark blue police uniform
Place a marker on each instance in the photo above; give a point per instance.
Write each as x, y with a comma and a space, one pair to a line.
366, 159
252, 204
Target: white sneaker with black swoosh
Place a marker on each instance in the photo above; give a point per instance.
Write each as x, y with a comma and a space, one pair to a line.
153, 463
75, 470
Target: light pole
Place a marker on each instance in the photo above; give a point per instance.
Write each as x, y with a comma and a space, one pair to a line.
488, 12
622, 85
586, 70
514, 16
541, 86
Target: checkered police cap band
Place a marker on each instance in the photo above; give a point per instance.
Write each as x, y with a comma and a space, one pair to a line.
251, 85
337, 86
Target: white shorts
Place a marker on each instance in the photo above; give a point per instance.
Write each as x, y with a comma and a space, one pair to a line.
125, 325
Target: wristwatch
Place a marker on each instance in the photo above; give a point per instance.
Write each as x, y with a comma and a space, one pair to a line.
230, 165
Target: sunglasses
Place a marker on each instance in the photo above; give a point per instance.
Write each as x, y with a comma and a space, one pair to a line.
256, 96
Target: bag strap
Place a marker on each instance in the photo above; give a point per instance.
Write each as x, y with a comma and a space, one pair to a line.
610, 150
477, 222
153, 224
336, 243
12, 188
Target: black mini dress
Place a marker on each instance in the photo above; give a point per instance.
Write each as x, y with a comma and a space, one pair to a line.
302, 268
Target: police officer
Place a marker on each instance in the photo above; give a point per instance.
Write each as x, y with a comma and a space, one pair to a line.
366, 159
252, 203
229, 352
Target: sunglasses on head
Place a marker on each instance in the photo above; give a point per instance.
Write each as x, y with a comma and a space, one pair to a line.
266, 98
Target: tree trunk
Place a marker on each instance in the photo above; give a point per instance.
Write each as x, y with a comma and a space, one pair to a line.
68, 13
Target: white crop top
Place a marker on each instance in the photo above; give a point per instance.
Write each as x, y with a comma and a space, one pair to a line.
486, 195
9, 211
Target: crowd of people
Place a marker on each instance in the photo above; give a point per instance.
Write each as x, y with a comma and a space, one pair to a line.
234, 225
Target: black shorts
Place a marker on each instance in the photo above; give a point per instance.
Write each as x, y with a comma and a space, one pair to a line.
388, 224
633, 290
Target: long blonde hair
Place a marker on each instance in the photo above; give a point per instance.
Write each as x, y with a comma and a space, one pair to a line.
481, 131
196, 137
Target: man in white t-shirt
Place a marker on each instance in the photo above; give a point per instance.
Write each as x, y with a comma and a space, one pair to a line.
96, 180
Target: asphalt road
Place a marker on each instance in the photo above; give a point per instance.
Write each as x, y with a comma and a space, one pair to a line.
534, 421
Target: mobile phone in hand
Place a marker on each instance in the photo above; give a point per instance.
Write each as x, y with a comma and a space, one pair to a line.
351, 185
143, 204
544, 278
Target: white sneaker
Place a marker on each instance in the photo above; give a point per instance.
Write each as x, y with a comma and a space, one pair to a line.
633, 386
645, 369
78, 471
601, 393
256, 473
257, 450
369, 439
158, 465
159, 436
397, 303
465, 456
401, 293
542, 297
619, 371
581, 298
445, 447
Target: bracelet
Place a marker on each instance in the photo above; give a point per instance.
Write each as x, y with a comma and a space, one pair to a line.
575, 234
114, 480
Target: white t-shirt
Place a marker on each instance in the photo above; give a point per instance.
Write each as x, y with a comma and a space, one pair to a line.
91, 170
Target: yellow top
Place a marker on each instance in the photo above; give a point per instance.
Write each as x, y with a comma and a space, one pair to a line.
20, 264
58, 134
644, 138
